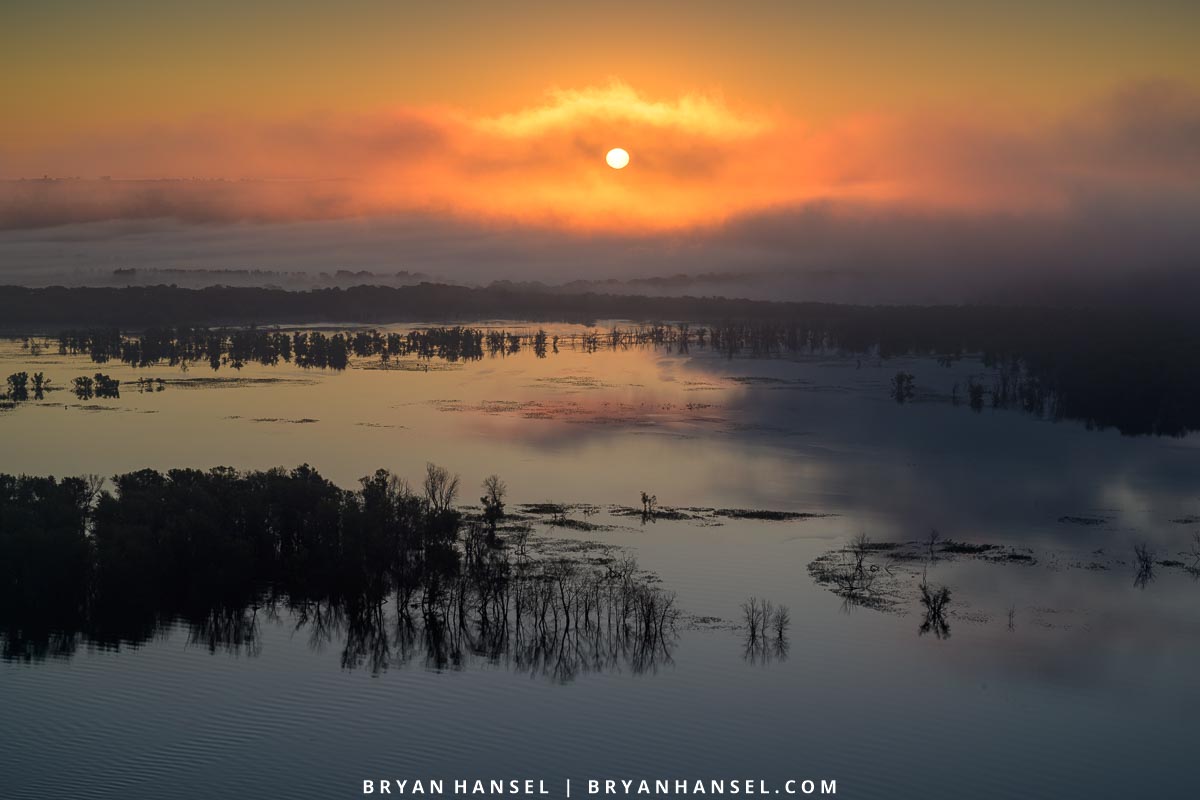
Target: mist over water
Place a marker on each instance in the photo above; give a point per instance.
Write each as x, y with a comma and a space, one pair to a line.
1110, 249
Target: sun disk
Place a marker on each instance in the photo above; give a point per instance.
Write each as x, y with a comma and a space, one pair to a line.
617, 158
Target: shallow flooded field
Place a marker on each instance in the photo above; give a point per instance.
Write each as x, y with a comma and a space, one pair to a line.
1078, 649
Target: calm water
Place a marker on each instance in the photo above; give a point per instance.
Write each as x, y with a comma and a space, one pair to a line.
1090, 692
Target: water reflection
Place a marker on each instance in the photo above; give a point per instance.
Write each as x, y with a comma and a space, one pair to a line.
848, 574
1145, 565
766, 627
388, 575
1062, 372
897, 577
936, 601
536, 637
1023, 508
233, 630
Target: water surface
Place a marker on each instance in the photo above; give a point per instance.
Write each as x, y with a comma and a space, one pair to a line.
1088, 692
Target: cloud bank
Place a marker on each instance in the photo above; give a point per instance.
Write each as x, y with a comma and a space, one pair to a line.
1107, 192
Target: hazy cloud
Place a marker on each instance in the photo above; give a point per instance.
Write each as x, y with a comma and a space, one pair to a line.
943, 204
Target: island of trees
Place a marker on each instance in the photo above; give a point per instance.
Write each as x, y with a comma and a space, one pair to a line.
395, 573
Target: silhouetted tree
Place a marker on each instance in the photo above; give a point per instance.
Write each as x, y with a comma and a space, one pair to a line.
221, 550
649, 507
83, 387
18, 386
781, 620
441, 488
1145, 565
902, 387
762, 619
493, 501
106, 386
931, 542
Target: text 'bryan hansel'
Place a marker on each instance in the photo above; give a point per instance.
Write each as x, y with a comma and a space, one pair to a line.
602, 787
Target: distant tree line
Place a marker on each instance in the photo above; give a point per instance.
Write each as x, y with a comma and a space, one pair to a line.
149, 306
236, 347
1133, 369
898, 328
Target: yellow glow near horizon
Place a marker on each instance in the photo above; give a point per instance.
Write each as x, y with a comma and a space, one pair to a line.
617, 158
702, 161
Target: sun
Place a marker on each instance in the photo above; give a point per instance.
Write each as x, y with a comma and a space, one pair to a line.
617, 158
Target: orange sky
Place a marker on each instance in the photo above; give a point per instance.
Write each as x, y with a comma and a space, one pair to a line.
505, 111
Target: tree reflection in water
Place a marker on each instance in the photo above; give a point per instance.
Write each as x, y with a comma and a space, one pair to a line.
766, 627
390, 576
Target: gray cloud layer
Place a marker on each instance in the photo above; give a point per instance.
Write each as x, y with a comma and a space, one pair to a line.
1112, 246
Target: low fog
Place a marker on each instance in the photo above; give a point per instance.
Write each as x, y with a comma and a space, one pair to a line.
1113, 249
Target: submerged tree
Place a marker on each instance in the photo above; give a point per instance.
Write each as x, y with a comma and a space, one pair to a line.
493, 501
935, 601
18, 386
649, 507
105, 386
766, 630
847, 574
41, 384
975, 395
393, 573
931, 542
902, 389
1144, 561
84, 387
